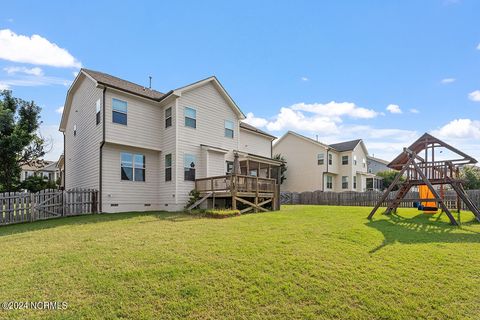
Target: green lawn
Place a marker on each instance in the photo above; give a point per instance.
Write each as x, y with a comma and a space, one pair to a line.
301, 262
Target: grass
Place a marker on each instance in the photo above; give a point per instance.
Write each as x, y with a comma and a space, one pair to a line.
301, 262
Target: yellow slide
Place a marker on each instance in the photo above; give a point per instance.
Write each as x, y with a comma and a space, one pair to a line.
425, 193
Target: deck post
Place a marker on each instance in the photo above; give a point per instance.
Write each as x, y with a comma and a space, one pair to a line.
233, 188
256, 193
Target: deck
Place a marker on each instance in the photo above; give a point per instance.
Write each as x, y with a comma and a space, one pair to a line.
254, 192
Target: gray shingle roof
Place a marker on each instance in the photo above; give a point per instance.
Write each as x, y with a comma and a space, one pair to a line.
124, 85
247, 126
345, 146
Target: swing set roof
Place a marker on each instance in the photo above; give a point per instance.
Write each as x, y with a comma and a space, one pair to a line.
421, 144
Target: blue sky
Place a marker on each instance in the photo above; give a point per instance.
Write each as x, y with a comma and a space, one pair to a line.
384, 71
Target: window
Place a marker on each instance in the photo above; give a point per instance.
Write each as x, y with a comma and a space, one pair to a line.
229, 129
229, 167
74, 130
320, 159
97, 111
190, 117
370, 170
364, 161
132, 166
344, 182
355, 160
168, 117
168, 167
329, 182
189, 167
119, 111
330, 159
354, 182
344, 160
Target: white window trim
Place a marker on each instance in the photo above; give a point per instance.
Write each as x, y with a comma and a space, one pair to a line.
133, 167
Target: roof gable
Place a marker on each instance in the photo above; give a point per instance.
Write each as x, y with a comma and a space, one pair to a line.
299, 136
249, 127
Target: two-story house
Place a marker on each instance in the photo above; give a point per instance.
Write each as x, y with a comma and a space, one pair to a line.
313, 165
144, 150
41, 168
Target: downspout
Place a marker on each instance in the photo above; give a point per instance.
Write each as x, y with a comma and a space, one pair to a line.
64, 176
102, 143
323, 175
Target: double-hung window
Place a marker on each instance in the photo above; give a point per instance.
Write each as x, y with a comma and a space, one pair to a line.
168, 167
132, 166
97, 111
229, 167
320, 159
354, 160
364, 161
189, 167
344, 160
190, 117
354, 182
229, 127
119, 111
168, 117
330, 159
329, 182
344, 182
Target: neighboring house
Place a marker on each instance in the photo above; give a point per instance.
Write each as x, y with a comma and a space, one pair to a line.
144, 150
376, 165
312, 165
42, 168
61, 171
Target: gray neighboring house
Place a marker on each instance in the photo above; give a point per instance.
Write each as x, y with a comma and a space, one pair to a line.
376, 165
41, 168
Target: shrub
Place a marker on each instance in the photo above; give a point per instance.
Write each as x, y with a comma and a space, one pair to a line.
194, 196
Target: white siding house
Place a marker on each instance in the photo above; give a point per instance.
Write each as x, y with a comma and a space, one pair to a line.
143, 149
312, 165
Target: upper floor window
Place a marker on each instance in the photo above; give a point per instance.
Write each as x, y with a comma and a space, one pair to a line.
355, 160
189, 167
344, 182
329, 182
364, 161
119, 111
168, 167
190, 117
320, 158
132, 166
344, 160
97, 111
354, 182
74, 130
168, 117
330, 159
229, 126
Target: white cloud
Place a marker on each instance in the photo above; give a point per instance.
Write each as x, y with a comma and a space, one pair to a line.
35, 81
304, 79
35, 50
336, 109
75, 73
4, 86
35, 71
54, 139
59, 110
393, 108
459, 129
474, 96
413, 110
254, 121
448, 80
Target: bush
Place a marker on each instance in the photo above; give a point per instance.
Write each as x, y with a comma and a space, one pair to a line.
216, 213
194, 196
37, 183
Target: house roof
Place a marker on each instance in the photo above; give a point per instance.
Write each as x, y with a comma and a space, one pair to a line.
40, 164
249, 127
420, 145
298, 135
345, 146
124, 85
378, 160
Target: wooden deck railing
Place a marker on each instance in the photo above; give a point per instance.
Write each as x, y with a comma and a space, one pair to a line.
235, 183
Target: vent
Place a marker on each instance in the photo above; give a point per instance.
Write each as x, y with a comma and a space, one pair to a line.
114, 205
147, 204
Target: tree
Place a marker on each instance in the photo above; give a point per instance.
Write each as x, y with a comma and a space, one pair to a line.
388, 177
19, 142
283, 167
471, 177
37, 183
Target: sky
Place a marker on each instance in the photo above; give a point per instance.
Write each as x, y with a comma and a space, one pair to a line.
382, 71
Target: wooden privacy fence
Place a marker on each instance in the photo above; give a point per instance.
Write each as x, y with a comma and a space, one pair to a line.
18, 207
365, 199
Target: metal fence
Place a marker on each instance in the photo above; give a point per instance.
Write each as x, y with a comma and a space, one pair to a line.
18, 207
365, 199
